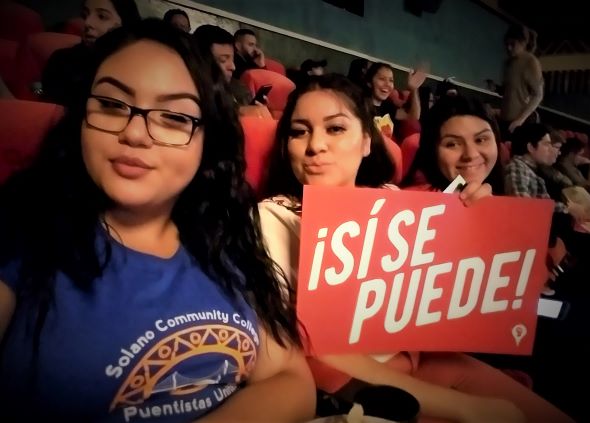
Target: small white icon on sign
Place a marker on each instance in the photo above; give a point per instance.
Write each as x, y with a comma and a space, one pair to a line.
519, 332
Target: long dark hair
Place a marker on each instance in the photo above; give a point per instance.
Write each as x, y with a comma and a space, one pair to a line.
426, 160
50, 212
375, 170
127, 11
356, 71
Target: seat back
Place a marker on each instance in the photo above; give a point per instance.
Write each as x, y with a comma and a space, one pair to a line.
281, 88
409, 146
8, 49
407, 127
30, 60
504, 152
23, 126
73, 26
395, 152
259, 136
18, 21
275, 66
398, 97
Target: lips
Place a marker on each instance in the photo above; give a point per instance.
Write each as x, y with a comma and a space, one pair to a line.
130, 167
315, 167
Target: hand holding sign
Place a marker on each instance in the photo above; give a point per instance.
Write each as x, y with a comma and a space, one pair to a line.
417, 272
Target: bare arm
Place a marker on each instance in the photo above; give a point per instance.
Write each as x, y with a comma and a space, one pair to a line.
280, 389
415, 108
7, 305
415, 80
435, 401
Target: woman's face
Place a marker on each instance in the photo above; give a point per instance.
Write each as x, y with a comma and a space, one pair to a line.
515, 47
467, 147
326, 143
128, 166
99, 18
382, 84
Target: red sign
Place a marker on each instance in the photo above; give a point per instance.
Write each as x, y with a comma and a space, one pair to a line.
383, 271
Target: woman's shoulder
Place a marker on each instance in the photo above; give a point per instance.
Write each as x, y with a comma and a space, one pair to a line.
281, 203
278, 214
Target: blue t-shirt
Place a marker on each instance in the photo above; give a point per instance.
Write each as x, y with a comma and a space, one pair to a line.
153, 340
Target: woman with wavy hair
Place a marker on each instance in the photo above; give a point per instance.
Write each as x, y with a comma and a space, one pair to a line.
326, 137
134, 283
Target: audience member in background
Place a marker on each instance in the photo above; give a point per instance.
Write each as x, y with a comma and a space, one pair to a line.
555, 181
66, 69
567, 162
357, 71
326, 137
446, 87
380, 84
459, 137
179, 19
523, 80
531, 147
146, 219
217, 43
248, 54
308, 68
313, 67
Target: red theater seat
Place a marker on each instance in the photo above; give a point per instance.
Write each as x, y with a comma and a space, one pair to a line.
73, 26
8, 49
18, 21
23, 126
281, 88
259, 137
30, 60
275, 66
396, 153
409, 147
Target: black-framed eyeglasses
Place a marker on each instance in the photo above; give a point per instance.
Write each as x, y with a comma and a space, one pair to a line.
163, 126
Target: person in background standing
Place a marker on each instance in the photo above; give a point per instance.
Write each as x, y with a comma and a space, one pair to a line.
523, 80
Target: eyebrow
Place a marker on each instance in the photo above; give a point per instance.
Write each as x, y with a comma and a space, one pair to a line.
130, 91
483, 131
116, 83
100, 9
327, 118
177, 96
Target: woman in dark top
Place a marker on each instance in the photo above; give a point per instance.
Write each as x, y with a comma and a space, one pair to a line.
66, 68
380, 85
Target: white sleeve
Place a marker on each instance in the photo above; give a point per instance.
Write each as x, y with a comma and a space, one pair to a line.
280, 232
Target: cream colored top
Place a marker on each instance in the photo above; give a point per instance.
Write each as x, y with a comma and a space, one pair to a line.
280, 219
281, 226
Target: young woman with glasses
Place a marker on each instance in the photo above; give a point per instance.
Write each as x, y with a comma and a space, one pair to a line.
134, 285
